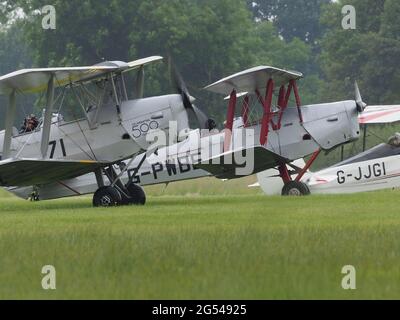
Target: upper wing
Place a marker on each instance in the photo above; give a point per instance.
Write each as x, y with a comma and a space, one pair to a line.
36, 80
28, 172
380, 114
142, 62
228, 166
253, 79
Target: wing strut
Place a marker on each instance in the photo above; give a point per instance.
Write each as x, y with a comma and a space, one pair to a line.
10, 116
139, 90
48, 117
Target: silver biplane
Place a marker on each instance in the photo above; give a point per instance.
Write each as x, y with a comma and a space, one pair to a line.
113, 128
280, 134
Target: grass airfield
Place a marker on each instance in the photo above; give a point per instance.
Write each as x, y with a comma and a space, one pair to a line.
203, 239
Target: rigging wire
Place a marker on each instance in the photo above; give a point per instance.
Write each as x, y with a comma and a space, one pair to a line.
80, 128
76, 144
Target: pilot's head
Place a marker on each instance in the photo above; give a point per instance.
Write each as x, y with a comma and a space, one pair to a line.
31, 122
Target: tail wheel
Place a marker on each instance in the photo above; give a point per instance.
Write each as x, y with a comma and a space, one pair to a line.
137, 194
295, 189
107, 197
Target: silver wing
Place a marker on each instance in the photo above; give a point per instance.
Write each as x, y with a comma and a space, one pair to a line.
27, 172
380, 115
36, 80
225, 166
253, 79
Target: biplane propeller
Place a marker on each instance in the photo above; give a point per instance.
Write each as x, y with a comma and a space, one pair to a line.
203, 121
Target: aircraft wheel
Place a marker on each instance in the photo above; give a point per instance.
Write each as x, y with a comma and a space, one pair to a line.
295, 189
138, 196
34, 197
107, 197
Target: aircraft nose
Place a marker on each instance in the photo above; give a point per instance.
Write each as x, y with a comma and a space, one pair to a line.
179, 114
355, 120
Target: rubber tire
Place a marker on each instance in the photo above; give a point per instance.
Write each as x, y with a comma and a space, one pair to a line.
34, 197
137, 194
107, 197
295, 188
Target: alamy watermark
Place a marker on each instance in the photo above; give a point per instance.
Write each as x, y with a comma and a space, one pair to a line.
349, 21
227, 148
49, 20
49, 278
349, 280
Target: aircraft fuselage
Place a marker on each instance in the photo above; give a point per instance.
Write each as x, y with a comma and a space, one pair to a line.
106, 135
375, 169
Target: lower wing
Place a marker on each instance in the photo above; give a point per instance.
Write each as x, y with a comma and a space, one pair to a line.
28, 172
240, 163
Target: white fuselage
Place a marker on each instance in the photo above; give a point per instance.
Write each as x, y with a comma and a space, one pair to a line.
372, 170
377, 174
104, 135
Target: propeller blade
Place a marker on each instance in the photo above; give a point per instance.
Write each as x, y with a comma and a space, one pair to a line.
361, 105
203, 120
180, 87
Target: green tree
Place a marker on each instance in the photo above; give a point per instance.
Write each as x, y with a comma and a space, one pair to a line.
14, 55
292, 18
370, 54
292, 55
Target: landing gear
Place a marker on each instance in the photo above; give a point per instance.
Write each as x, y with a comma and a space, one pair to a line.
296, 189
137, 195
34, 197
117, 193
111, 196
107, 197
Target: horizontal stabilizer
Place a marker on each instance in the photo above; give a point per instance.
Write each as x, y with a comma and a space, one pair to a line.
241, 162
28, 172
